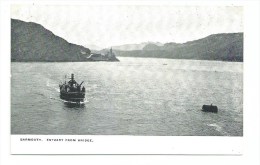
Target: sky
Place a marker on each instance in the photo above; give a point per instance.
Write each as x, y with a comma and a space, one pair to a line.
109, 25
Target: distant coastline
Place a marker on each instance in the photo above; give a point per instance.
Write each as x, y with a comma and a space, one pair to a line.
31, 42
217, 47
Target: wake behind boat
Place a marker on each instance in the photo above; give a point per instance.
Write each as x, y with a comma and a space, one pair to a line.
71, 91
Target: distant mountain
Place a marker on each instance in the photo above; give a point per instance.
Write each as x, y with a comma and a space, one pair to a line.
32, 42
152, 46
222, 47
130, 47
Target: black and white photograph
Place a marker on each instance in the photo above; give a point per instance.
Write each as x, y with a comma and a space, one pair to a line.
135, 70
127, 82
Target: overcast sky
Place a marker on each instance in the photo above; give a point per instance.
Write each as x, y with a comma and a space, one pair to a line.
106, 26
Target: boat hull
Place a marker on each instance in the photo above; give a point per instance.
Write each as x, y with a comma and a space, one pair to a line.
72, 96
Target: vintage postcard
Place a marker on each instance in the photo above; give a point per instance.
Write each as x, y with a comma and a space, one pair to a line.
126, 78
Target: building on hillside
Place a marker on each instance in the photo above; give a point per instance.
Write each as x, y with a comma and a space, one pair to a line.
109, 56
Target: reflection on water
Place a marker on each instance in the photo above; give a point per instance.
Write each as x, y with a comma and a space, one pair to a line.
74, 105
136, 96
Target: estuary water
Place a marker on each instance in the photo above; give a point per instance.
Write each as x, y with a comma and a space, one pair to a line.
136, 96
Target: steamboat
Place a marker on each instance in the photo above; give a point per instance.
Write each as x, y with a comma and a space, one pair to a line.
71, 91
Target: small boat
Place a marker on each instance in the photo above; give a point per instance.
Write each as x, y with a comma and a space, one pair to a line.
71, 91
210, 108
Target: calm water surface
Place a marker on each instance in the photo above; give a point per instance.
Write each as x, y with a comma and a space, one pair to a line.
136, 96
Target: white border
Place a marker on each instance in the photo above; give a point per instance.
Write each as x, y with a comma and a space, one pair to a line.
125, 145
251, 102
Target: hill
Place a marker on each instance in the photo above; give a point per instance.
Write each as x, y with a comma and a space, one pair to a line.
222, 47
33, 42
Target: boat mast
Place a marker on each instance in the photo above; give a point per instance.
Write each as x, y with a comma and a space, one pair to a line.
65, 78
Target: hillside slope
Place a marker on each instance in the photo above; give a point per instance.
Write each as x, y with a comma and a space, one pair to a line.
32, 42
221, 47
